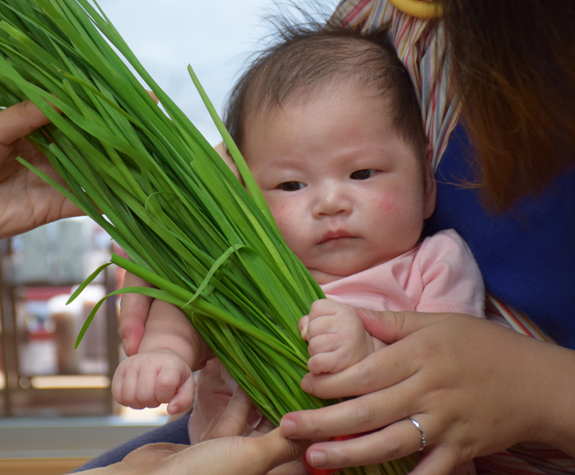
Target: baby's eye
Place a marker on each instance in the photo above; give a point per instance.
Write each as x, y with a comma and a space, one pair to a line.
362, 174
291, 186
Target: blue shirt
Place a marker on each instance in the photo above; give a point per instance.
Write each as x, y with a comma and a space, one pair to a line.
526, 255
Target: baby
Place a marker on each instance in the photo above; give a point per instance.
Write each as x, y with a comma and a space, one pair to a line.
329, 124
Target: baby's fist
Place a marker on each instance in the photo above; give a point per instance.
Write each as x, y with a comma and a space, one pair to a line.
153, 378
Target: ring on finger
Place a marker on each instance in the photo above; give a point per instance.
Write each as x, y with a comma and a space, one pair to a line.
418, 427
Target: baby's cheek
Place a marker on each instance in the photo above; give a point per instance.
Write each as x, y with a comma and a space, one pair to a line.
386, 203
285, 216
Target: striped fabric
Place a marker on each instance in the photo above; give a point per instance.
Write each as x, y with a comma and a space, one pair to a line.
420, 44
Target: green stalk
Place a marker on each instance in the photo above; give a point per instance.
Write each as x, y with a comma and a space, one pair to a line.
189, 227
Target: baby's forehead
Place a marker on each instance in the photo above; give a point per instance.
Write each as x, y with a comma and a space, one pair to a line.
334, 89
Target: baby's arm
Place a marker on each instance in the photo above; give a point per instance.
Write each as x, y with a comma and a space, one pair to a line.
161, 370
336, 335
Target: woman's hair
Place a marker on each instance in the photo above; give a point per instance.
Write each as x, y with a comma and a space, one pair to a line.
306, 57
514, 67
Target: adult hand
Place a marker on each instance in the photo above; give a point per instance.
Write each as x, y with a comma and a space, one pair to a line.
26, 201
475, 388
234, 420
225, 453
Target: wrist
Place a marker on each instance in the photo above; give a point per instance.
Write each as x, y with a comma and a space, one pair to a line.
558, 424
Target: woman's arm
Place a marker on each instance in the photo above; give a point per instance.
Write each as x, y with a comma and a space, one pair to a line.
475, 388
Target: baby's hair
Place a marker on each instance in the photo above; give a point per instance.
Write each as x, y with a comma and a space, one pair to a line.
305, 57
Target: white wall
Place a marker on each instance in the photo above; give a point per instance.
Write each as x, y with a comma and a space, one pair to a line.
214, 36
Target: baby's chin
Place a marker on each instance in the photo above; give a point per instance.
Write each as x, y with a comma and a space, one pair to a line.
323, 278
327, 274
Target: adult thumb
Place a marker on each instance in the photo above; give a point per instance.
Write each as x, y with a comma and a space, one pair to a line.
275, 450
391, 326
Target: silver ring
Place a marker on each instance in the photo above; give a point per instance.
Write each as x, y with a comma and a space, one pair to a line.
418, 427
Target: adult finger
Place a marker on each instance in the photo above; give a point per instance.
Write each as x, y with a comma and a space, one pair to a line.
296, 467
439, 461
134, 312
389, 326
381, 369
20, 120
153, 96
234, 418
274, 450
363, 414
150, 454
236, 455
391, 443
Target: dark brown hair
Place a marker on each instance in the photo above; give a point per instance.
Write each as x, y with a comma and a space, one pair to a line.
305, 56
514, 66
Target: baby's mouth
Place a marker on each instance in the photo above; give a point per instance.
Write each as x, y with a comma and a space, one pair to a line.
336, 236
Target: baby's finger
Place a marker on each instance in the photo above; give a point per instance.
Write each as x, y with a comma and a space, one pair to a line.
146, 388
320, 326
117, 383
324, 343
322, 363
184, 397
167, 382
129, 388
302, 326
322, 308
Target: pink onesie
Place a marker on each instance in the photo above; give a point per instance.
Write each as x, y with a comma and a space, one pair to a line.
439, 275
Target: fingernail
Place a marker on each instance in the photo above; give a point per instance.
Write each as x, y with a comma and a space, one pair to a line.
288, 427
305, 385
125, 345
317, 459
368, 313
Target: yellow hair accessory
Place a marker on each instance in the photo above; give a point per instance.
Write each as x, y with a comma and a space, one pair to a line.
418, 8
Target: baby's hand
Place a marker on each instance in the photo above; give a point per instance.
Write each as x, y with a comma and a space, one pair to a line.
336, 335
152, 378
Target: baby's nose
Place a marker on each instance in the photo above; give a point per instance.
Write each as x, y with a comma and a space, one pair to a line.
332, 201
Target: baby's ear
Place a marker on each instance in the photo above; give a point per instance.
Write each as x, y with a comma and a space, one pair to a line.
429, 183
226, 157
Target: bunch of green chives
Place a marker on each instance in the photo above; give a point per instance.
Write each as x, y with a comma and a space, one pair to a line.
151, 180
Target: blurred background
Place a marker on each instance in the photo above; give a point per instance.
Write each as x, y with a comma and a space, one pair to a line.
56, 409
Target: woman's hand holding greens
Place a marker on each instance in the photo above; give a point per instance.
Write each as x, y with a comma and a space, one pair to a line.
27, 201
474, 387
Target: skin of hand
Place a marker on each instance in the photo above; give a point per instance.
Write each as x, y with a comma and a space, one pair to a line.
474, 386
153, 378
225, 453
236, 416
27, 200
336, 335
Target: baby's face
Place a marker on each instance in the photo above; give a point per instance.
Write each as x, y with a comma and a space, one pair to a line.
346, 191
